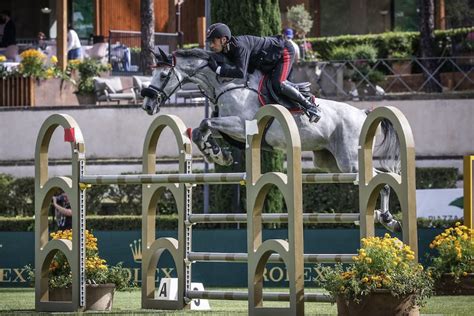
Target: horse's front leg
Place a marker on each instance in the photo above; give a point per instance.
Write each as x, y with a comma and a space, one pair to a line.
383, 215
204, 138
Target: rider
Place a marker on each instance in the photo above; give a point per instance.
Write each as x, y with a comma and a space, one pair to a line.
271, 55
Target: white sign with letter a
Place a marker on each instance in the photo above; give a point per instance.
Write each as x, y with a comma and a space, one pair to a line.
168, 290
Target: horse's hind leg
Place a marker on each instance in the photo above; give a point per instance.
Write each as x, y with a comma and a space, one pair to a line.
383, 215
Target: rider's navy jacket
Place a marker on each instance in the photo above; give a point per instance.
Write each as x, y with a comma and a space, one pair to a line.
248, 53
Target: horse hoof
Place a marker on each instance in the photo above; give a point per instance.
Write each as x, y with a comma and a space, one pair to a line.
387, 221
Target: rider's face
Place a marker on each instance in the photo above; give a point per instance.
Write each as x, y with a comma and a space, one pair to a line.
217, 44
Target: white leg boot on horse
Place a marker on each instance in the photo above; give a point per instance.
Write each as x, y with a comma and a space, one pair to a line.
213, 153
383, 216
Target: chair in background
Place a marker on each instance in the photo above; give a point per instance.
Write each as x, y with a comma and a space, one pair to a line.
111, 90
11, 53
140, 82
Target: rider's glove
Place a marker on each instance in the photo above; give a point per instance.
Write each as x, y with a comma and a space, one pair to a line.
212, 63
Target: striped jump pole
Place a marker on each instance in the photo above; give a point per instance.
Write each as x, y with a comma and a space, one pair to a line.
207, 178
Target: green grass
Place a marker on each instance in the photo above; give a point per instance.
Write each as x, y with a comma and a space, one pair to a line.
20, 301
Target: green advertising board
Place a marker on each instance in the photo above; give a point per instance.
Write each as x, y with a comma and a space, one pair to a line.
17, 250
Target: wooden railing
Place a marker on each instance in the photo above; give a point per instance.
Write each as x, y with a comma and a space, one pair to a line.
17, 91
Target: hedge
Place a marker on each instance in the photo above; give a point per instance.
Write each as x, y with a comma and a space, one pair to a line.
448, 42
170, 222
17, 196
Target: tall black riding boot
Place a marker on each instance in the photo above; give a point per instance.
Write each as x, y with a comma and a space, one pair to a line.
311, 110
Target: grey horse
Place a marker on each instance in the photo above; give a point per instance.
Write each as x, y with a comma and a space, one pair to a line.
333, 140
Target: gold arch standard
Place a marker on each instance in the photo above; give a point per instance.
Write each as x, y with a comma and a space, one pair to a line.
44, 188
403, 184
258, 185
152, 247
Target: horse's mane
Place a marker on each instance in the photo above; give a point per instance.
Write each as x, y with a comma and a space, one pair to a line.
194, 52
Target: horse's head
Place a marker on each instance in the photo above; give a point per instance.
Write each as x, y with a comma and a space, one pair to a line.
165, 81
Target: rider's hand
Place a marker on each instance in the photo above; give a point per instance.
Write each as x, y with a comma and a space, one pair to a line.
212, 63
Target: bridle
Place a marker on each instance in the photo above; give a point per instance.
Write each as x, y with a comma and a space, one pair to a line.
153, 92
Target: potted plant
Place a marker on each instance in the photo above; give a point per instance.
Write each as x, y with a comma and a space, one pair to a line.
88, 69
102, 280
384, 279
453, 267
401, 62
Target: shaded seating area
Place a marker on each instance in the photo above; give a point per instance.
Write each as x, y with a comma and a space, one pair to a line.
111, 90
189, 92
140, 82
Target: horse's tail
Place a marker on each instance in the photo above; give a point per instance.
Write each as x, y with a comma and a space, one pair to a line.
389, 148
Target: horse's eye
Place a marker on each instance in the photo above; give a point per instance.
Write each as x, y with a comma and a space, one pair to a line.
163, 75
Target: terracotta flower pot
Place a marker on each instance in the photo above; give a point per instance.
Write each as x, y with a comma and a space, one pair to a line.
381, 302
99, 297
85, 99
446, 285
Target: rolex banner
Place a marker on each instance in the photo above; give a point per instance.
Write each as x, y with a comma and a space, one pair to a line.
17, 250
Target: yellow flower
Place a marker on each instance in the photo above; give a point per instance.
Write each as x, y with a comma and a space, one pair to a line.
2, 58
368, 260
365, 279
54, 59
49, 72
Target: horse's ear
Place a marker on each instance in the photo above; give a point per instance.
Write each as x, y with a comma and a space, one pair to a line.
158, 57
165, 58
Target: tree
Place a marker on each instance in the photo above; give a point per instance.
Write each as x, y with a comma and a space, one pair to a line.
459, 13
427, 45
147, 23
301, 21
262, 18
259, 17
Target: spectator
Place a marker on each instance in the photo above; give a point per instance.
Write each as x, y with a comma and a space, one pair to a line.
9, 30
63, 211
73, 44
41, 41
288, 35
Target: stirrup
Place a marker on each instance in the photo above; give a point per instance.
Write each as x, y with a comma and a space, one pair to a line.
313, 116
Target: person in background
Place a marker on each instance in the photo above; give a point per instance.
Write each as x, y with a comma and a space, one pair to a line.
73, 44
9, 29
288, 34
63, 211
41, 41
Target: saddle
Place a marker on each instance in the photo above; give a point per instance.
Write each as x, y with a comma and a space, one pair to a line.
266, 94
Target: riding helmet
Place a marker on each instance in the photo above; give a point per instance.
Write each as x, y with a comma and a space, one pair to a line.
218, 30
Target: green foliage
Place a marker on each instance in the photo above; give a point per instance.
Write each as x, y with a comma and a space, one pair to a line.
459, 13
366, 52
300, 19
273, 162
382, 263
17, 195
455, 249
341, 53
262, 17
435, 178
88, 69
391, 42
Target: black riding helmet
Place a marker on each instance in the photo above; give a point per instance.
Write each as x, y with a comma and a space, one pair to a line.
218, 30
